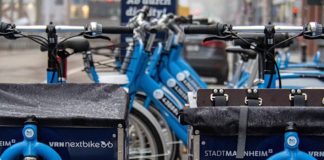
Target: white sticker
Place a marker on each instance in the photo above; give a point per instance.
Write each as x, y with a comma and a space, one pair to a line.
292, 141
158, 94
29, 133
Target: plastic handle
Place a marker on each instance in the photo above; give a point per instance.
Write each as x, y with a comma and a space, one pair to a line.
117, 30
4, 26
216, 29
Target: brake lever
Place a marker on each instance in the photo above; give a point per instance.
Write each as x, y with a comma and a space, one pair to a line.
11, 35
87, 36
226, 38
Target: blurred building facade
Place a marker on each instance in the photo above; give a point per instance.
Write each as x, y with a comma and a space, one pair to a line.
285, 12
31, 12
62, 12
107, 12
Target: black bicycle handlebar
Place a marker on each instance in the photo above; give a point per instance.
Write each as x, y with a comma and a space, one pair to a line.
216, 29
117, 30
4, 26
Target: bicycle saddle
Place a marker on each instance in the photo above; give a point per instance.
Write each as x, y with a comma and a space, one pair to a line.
247, 53
77, 44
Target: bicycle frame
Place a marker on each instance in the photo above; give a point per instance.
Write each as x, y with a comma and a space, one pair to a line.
157, 68
286, 64
30, 147
174, 72
177, 65
291, 150
285, 75
140, 80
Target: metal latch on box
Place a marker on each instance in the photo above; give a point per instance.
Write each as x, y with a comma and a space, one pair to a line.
252, 98
219, 97
297, 98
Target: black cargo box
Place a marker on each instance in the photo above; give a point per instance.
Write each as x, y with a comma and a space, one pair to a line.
79, 121
215, 129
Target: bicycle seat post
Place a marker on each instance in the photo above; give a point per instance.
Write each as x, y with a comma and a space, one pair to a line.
291, 137
30, 136
291, 146
267, 66
52, 68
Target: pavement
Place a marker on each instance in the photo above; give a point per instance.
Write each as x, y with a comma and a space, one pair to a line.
29, 66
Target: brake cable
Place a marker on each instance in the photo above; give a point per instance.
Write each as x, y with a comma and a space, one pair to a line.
272, 58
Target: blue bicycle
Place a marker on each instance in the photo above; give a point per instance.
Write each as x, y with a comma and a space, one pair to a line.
159, 71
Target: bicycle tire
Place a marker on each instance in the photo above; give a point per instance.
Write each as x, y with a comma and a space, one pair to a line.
174, 148
153, 131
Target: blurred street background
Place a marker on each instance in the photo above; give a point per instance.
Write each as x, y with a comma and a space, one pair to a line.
21, 61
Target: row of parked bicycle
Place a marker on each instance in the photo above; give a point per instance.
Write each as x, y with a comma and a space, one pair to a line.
159, 81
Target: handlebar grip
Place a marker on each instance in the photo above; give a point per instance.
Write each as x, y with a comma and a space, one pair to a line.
144, 10
4, 26
216, 29
117, 30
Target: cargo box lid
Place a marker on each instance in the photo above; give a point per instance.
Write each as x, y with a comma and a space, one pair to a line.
63, 104
261, 120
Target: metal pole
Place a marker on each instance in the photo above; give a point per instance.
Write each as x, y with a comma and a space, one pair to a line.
20, 8
38, 11
12, 9
266, 11
0, 9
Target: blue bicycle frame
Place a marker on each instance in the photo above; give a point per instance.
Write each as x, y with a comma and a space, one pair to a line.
141, 80
30, 147
291, 150
287, 64
157, 68
177, 64
287, 75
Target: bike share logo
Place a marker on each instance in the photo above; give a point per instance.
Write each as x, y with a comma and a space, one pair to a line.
173, 84
158, 94
182, 78
82, 144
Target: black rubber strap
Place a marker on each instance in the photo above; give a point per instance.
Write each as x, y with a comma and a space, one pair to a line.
219, 98
220, 101
299, 100
241, 141
252, 98
253, 102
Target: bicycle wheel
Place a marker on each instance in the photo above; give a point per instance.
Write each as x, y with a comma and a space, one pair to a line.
172, 143
145, 139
